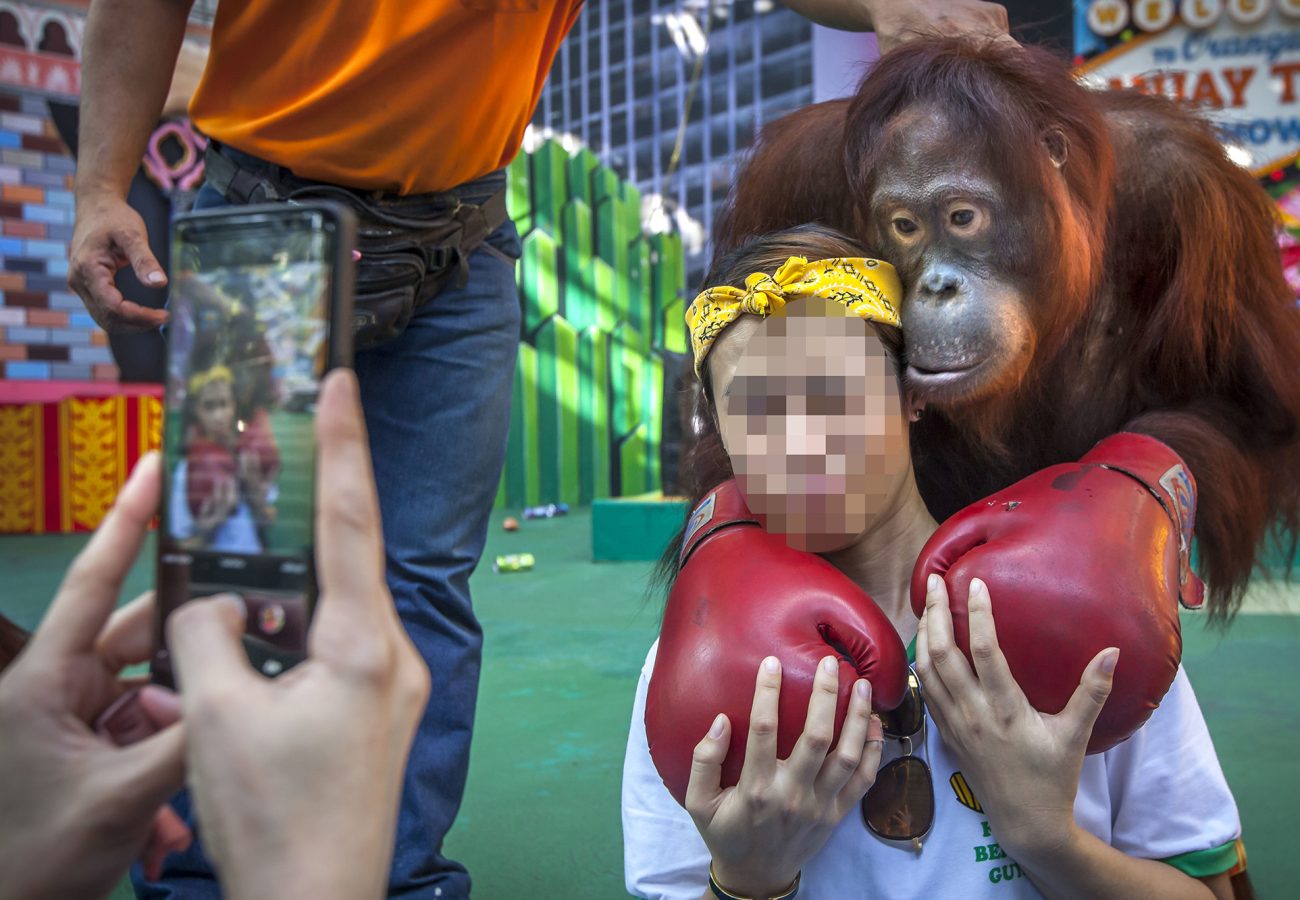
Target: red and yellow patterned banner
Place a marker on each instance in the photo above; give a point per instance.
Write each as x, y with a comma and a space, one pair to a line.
62, 463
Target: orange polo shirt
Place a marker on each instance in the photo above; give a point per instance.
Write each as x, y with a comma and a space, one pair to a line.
408, 96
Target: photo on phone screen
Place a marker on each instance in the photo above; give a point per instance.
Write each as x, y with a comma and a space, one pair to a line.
260, 311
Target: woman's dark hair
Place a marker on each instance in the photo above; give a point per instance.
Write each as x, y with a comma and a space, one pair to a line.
705, 463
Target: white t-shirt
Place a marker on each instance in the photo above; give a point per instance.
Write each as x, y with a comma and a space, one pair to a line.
237, 534
1159, 795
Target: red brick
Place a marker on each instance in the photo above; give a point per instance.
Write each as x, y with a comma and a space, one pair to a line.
9, 103
20, 228
104, 372
11, 211
12, 352
12, 281
22, 193
29, 299
47, 318
45, 144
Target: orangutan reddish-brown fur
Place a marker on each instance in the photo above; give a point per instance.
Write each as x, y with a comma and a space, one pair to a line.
1076, 263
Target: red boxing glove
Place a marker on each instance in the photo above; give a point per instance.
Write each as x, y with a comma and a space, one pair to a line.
742, 595
208, 465
1080, 557
258, 438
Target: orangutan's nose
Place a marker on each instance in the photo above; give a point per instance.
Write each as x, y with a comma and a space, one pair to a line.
940, 282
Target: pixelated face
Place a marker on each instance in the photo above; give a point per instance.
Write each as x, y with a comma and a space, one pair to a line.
811, 416
215, 404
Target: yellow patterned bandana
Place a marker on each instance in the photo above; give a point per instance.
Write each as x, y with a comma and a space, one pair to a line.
200, 380
869, 289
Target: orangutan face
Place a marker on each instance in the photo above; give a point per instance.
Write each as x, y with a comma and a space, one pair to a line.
960, 245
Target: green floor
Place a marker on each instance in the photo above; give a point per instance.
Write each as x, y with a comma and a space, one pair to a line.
565, 643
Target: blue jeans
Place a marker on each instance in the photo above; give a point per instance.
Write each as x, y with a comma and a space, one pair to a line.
437, 404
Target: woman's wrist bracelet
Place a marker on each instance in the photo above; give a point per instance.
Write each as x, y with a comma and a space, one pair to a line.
723, 894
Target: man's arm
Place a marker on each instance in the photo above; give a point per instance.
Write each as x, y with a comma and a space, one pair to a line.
896, 21
127, 62
128, 58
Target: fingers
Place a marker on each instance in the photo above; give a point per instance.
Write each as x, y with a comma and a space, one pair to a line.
163, 707
819, 726
349, 552
937, 698
145, 265
128, 638
1080, 714
94, 283
204, 639
167, 835
990, 663
229, 493
152, 770
1001, 22
868, 765
89, 591
760, 748
127, 316
842, 764
944, 657
705, 783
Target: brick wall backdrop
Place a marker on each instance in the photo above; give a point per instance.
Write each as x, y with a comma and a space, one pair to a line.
45, 333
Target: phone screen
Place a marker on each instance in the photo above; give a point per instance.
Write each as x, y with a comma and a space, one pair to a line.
251, 334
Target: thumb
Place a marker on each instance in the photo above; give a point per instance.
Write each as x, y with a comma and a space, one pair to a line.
135, 245
204, 640
705, 783
1091, 694
153, 769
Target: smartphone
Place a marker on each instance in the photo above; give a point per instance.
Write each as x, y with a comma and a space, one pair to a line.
261, 309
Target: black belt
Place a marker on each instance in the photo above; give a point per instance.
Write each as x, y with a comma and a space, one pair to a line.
410, 245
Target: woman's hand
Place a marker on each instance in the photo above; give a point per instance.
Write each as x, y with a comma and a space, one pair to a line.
256, 486
282, 769
74, 808
1022, 764
215, 508
762, 831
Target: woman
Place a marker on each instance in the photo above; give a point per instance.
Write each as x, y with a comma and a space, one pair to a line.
221, 496
1017, 810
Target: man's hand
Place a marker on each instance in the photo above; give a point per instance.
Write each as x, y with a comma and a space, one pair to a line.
899, 21
75, 810
108, 235
300, 777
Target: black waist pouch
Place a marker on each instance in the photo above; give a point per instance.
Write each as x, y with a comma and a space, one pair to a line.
411, 247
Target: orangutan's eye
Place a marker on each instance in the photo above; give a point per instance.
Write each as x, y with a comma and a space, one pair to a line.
904, 226
962, 218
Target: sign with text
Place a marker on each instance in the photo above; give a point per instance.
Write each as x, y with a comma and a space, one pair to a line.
1238, 60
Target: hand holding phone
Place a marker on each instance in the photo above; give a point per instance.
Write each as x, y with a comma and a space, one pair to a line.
75, 810
318, 757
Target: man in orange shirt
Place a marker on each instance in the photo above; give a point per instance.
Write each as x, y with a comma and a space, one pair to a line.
408, 111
